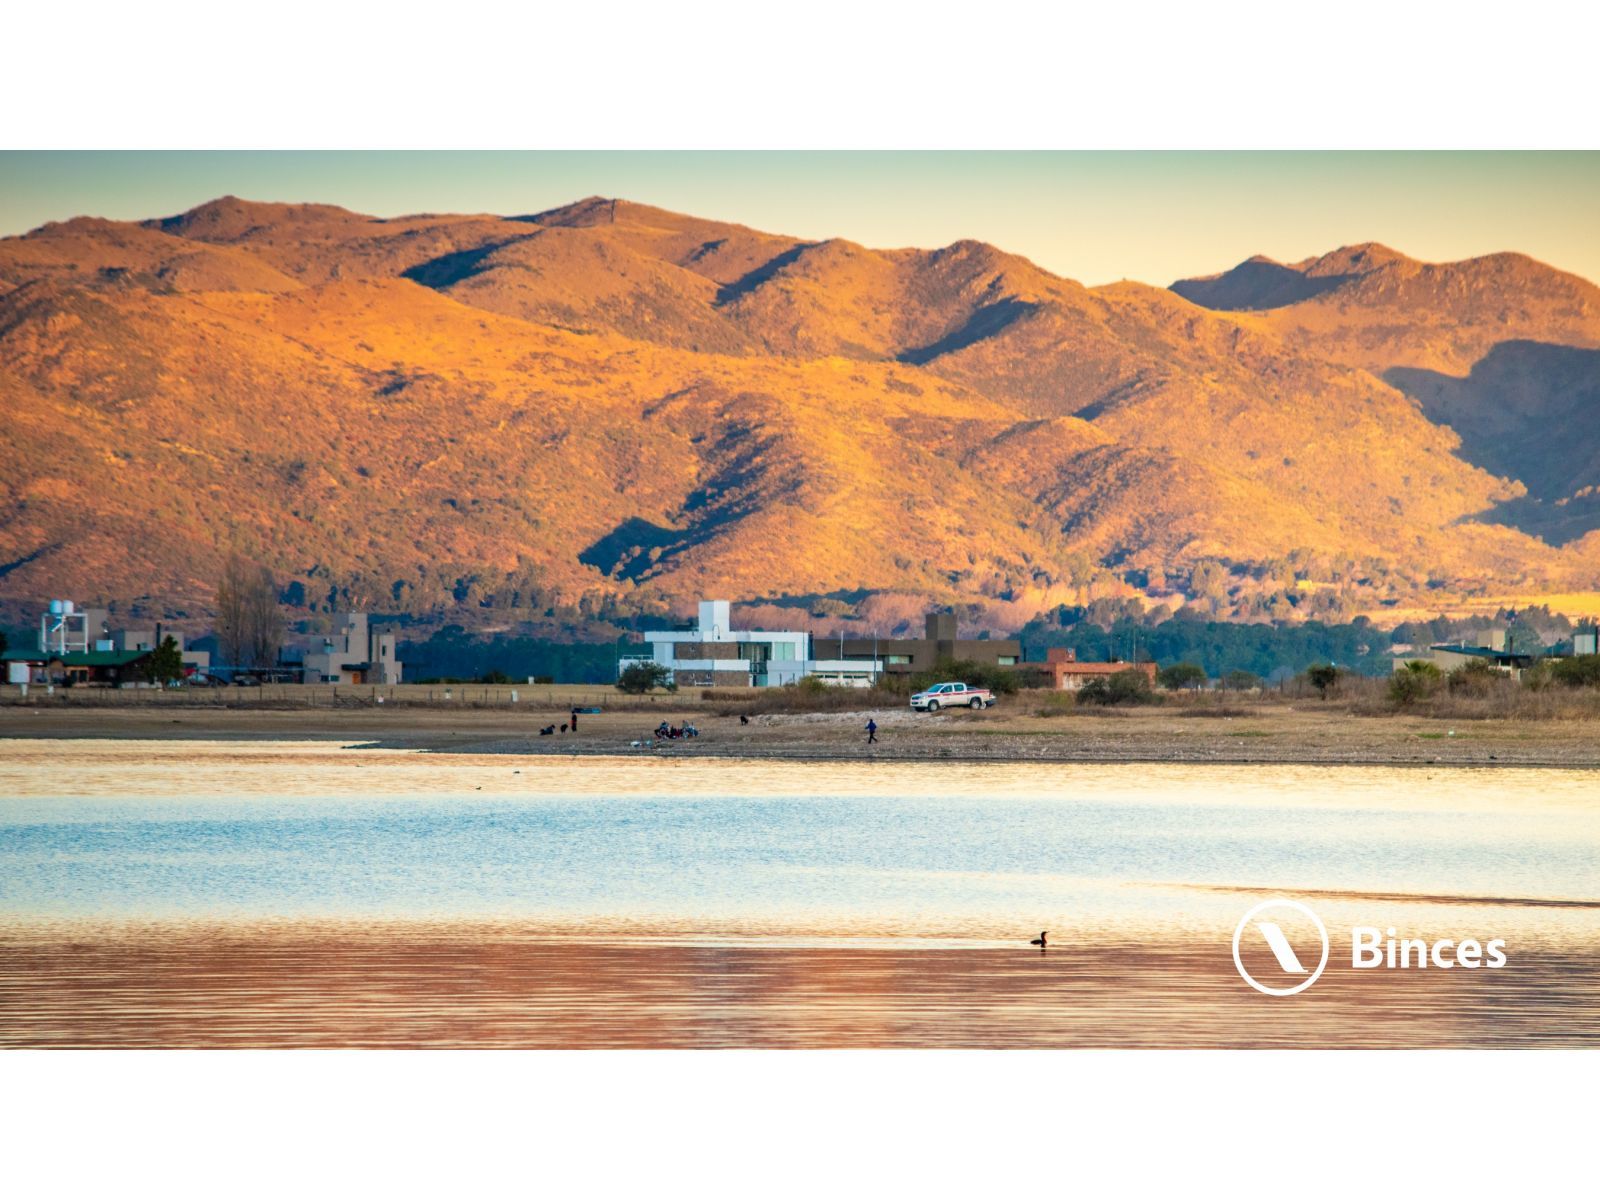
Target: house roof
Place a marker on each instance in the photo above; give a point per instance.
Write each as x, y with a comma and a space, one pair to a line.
1075, 667
1482, 652
78, 658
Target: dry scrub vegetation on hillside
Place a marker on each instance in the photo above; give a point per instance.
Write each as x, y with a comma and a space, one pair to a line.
610, 407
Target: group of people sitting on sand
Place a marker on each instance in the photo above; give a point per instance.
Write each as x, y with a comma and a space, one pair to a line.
549, 729
668, 732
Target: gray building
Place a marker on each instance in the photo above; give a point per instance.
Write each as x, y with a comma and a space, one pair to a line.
354, 653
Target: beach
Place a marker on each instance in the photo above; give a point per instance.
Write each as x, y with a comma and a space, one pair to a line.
1232, 732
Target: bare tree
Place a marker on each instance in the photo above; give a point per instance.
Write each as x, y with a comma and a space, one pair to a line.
249, 622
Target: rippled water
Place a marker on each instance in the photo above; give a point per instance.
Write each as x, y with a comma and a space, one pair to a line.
307, 894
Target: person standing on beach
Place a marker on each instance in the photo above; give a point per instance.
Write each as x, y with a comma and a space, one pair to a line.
574, 718
872, 731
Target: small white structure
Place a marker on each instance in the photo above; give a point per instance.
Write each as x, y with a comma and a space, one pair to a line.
354, 654
64, 628
714, 654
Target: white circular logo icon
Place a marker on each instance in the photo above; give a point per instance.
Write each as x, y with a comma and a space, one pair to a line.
1259, 924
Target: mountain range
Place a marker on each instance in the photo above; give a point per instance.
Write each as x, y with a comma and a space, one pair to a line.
612, 407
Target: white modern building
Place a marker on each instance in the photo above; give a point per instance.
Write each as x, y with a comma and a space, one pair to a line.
714, 654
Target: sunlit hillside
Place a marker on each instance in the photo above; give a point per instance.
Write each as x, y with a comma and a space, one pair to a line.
619, 408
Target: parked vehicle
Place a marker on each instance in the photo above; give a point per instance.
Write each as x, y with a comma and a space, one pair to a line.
952, 695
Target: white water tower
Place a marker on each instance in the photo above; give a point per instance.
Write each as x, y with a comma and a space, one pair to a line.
63, 629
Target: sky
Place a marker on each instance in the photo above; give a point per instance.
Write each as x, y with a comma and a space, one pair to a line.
1095, 217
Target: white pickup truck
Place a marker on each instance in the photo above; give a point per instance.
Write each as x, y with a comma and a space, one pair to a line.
952, 695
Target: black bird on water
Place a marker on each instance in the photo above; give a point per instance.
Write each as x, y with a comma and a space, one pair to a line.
1041, 940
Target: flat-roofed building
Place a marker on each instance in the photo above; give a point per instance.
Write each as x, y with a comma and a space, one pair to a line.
712, 653
939, 643
355, 654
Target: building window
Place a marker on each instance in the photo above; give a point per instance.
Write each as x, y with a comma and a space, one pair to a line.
782, 651
1007, 660
897, 659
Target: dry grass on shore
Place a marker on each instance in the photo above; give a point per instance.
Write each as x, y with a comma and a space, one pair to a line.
747, 702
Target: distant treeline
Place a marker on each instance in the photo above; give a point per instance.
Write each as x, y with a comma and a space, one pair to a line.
1271, 651
452, 653
1100, 631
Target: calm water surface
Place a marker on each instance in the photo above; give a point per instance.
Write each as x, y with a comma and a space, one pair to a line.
193, 893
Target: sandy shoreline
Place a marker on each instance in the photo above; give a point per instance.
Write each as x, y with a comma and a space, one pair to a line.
1277, 733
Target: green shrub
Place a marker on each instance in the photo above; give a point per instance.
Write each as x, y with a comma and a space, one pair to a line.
1580, 671
1241, 681
1002, 681
1125, 687
640, 677
1539, 676
1415, 681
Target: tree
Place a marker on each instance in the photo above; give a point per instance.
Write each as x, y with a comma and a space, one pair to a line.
1080, 571
249, 621
1241, 681
165, 663
1209, 581
640, 677
1324, 678
1182, 675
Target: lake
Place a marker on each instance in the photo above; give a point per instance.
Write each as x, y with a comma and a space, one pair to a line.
311, 894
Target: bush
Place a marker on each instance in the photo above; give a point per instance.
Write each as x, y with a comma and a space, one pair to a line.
1415, 681
638, 678
1125, 687
1002, 681
1475, 678
1581, 671
1539, 676
1182, 675
1241, 681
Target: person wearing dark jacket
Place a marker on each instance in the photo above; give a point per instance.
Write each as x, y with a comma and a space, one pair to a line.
872, 731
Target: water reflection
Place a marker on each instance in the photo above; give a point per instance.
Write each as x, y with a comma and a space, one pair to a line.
217, 894
430, 988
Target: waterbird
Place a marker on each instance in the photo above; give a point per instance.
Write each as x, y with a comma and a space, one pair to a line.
1041, 940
